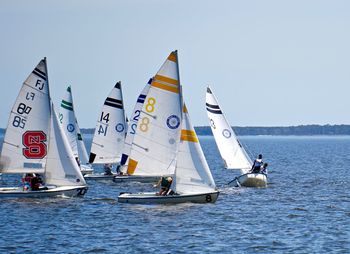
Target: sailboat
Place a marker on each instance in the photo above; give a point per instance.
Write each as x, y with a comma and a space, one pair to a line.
34, 142
109, 136
193, 181
70, 127
152, 150
231, 150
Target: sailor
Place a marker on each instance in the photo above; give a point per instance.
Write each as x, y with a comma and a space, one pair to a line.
165, 183
263, 169
258, 162
108, 169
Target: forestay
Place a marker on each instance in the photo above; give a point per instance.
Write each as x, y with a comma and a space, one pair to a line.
192, 173
133, 123
109, 137
68, 121
61, 168
231, 150
26, 139
154, 146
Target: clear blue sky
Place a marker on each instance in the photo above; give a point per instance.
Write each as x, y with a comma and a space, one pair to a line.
270, 63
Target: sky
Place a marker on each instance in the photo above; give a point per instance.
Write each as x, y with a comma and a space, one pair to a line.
269, 63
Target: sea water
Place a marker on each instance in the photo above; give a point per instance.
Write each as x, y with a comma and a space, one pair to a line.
304, 209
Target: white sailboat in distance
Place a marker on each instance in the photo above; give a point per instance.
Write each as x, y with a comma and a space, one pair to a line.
109, 136
70, 127
231, 150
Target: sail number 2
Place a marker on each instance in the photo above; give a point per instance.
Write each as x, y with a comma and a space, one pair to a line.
149, 109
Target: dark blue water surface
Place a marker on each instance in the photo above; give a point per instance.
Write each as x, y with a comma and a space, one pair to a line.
305, 209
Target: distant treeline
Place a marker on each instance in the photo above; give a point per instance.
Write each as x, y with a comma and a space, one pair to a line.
301, 130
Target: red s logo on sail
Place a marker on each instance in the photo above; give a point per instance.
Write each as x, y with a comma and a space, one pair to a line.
35, 148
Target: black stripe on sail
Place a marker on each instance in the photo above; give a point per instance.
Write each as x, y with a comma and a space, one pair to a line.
114, 103
92, 157
212, 106
208, 90
118, 85
214, 111
39, 74
141, 98
150, 81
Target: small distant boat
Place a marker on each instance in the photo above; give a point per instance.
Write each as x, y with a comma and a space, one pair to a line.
193, 181
109, 137
231, 150
34, 142
70, 127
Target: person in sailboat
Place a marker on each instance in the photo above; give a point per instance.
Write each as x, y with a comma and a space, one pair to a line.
165, 183
26, 180
108, 169
258, 162
263, 169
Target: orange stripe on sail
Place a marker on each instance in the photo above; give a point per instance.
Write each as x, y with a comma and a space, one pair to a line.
188, 135
166, 79
173, 56
131, 166
184, 109
165, 87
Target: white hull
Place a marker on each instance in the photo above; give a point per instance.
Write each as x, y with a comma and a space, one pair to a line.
99, 176
136, 178
153, 198
252, 180
86, 169
63, 191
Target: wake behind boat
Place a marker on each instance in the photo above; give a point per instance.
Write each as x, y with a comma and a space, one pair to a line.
231, 150
34, 142
193, 181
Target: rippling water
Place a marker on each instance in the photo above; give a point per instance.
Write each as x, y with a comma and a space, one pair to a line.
305, 209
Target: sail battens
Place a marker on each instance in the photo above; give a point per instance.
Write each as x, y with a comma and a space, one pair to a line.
189, 135
219, 112
165, 87
166, 79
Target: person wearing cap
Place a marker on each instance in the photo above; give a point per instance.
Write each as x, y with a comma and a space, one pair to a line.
258, 162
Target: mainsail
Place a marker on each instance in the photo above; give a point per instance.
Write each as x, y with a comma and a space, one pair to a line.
231, 150
155, 142
109, 137
192, 173
26, 139
133, 123
68, 121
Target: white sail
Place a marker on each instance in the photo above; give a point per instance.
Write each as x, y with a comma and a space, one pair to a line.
68, 120
133, 123
231, 150
83, 156
61, 167
109, 137
26, 140
192, 173
154, 146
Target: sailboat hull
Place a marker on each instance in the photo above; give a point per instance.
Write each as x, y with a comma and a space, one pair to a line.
252, 180
153, 198
86, 169
64, 191
99, 176
136, 178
